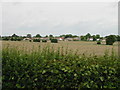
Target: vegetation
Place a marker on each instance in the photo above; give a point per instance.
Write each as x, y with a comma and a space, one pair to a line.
54, 41
29, 35
110, 39
44, 40
36, 40
50, 68
38, 35
98, 42
88, 37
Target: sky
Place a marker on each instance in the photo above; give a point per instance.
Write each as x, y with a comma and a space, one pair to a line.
57, 18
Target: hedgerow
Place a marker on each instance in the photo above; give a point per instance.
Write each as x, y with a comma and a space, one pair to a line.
49, 68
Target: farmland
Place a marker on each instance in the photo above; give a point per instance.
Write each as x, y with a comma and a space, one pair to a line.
81, 47
60, 65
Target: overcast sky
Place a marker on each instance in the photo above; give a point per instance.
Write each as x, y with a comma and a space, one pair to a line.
59, 18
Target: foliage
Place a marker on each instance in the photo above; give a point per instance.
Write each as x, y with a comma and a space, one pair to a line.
83, 38
118, 37
30, 40
54, 41
14, 35
50, 68
94, 38
88, 35
38, 35
29, 35
110, 39
98, 42
36, 40
97, 36
44, 40
16, 39
5, 38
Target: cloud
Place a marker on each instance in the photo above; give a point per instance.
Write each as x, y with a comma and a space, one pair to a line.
59, 18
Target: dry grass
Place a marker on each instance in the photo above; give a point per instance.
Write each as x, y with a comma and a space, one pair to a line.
80, 46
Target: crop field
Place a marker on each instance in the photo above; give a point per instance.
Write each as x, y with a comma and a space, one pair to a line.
88, 48
70, 64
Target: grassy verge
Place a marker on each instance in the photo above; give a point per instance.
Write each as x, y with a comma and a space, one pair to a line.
49, 68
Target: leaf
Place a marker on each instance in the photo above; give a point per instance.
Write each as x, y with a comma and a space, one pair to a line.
43, 72
101, 78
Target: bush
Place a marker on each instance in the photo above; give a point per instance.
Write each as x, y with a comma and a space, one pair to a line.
16, 39
30, 40
44, 40
98, 42
49, 69
36, 40
6, 38
75, 40
110, 39
54, 41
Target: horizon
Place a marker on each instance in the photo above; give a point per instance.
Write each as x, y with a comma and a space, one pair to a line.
58, 35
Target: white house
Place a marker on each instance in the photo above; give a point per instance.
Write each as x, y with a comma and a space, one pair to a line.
98, 39
76, 38
69, 39
90, 39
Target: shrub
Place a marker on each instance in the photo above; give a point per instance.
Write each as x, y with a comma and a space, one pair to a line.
54, 41
75, 40
30, 40
36, 40
16, 39
44, 40
48, 68
6, 38
110, 39
98, 42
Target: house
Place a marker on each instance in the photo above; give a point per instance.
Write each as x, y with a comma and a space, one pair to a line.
76, 39
98, 40
104, 40
69, 39
89, 39
60, 38
44, 38
27, 39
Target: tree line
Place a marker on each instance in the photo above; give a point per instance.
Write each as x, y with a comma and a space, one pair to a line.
109, 39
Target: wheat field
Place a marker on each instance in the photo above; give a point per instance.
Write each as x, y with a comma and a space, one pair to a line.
86, 47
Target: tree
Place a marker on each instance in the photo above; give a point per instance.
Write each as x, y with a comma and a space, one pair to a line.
14, 35
68, 36
83, 38
38, 35
29, 35
51, 36
46, 36
97, 36
88, 35
94, 38
99, 42
54, 41
110, 39
62, 35
118, 38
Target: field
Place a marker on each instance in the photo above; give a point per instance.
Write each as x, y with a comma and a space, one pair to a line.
79, 46
60, 65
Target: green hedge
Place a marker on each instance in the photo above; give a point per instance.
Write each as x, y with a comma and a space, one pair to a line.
54, 41
49, 68
44, 40
98, 42
110, 39
36, 40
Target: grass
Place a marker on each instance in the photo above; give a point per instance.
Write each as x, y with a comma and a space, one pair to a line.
46, 66
81, 46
